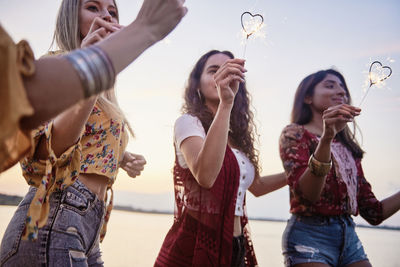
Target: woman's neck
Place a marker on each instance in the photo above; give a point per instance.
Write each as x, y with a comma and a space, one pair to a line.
316, 125
212, 107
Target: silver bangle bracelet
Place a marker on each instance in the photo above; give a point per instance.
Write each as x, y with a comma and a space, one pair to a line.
94, 68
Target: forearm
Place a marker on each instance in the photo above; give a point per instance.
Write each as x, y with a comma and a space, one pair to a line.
126, 45
266, 184
310, 184
212, 153
67, 128
54, 87
391, 205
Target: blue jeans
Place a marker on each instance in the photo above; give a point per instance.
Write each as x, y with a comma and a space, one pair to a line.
69, 238
330, 240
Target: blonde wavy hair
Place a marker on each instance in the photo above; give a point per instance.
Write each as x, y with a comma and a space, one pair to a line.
67, 37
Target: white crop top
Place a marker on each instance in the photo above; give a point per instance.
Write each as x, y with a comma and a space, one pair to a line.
187, 126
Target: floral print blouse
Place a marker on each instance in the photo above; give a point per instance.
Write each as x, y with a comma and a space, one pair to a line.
99, 151
296, 145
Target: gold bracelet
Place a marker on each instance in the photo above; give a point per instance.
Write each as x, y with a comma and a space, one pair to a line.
319, 168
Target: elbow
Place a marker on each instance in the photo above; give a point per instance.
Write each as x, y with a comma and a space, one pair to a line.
375, 223
206, 185
255, 193
205, 181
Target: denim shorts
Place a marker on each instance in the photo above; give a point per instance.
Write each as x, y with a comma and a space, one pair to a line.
330, 240
69, 238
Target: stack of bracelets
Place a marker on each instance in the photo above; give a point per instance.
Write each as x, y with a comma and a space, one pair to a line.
94, 68
319, 168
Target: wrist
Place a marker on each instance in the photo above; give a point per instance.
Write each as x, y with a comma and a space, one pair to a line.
326, 139
137, 29
223, 106
319, 168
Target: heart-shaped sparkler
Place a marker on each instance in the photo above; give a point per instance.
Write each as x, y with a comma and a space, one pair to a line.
250, 27
375, 77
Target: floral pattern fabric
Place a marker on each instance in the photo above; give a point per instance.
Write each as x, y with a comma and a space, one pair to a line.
99, 151
296, 145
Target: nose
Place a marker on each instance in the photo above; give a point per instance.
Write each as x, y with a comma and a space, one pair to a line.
341, 91
106, 16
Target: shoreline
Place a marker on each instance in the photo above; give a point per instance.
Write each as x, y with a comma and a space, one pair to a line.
12, 200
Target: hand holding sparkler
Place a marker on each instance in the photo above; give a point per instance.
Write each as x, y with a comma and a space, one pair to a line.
376, 76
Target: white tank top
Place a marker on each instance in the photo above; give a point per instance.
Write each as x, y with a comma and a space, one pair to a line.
187, 126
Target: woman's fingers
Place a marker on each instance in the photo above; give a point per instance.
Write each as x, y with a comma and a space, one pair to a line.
94, 37
133, 164
229, 71
160, 17
101, 23
89, 40
99, 30
336, 117
232, 69
337, 113
133, 174
342, 110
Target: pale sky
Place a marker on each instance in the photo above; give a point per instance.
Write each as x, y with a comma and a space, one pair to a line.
301, 37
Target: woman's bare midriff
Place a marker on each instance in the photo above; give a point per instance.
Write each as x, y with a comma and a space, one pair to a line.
237, 227
96, 183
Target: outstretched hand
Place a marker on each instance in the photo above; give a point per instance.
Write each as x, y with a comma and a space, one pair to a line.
161, 16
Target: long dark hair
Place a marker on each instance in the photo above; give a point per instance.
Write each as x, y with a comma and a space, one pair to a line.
302, 114
242, 128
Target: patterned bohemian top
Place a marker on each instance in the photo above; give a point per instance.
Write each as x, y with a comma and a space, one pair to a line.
100, 151
346, 190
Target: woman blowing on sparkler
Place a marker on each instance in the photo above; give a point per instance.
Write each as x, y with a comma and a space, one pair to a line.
216, 163
322, 160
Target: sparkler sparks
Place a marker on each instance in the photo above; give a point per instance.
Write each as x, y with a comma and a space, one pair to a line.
376, 76
252, 25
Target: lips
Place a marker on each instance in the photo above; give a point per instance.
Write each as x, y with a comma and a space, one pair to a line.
338, 100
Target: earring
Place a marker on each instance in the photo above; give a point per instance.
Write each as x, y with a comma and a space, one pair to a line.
198, 93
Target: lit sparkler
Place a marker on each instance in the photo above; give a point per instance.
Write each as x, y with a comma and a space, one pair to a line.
376, 76
251, 26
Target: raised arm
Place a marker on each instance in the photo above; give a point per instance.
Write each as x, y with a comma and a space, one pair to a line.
334, 120
56, 85
205, 157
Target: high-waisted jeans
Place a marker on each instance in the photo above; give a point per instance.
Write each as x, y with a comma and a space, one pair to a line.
69, 238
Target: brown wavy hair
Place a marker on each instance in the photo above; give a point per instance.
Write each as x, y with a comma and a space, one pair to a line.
243, 131
302, 114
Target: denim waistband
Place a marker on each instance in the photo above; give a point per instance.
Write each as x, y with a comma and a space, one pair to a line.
323, 220
79, 188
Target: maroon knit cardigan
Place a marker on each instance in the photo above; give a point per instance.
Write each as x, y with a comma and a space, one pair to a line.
202, 232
